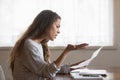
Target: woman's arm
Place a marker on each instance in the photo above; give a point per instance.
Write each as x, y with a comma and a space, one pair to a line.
70, 47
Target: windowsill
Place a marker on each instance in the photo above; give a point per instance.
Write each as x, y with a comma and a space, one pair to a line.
88, 48
5, 48
63, 47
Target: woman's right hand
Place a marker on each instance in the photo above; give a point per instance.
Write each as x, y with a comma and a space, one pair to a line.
76, 47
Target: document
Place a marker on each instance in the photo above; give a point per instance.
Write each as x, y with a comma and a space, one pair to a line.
88, 74
85, 63
93, 72
77, 76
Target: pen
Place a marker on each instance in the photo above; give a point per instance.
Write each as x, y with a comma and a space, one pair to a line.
89, 75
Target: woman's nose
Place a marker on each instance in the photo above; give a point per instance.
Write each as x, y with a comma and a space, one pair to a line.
58, 31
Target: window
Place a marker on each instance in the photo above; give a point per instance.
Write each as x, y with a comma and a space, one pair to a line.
89, 21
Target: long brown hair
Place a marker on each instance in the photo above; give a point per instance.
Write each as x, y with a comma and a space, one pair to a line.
41, 24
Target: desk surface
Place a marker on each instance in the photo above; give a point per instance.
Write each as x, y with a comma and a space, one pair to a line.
113, 74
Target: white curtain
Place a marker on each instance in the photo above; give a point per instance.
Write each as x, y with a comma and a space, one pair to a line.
89, 21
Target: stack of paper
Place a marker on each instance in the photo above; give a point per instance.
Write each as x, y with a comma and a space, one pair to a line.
77, 76
93, 72
86, 71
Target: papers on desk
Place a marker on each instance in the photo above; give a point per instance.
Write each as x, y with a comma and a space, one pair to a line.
88, 74
77, 76
85, 63
87, 71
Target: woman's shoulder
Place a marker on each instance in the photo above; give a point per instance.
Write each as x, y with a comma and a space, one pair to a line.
30, 45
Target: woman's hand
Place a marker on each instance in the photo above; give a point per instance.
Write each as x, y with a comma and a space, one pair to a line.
77, 64
76, 47
78, 68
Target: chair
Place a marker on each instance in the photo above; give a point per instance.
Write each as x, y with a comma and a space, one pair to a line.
2, 76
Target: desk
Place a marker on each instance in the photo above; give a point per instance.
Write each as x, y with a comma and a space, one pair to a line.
113, 74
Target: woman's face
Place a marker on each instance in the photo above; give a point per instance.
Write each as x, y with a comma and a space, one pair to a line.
54, 30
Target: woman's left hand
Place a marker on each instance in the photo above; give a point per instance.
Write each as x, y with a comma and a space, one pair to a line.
77, 64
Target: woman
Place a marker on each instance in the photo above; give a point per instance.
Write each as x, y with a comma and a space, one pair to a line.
29, 58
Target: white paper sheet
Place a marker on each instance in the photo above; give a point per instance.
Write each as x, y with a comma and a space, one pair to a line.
77, 76
85, 63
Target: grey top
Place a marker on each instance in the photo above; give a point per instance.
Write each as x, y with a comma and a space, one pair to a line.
30, 65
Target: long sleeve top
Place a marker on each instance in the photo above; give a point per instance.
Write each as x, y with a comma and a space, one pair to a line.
30, 65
